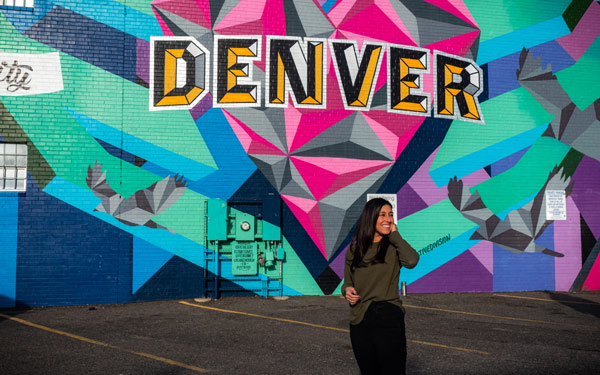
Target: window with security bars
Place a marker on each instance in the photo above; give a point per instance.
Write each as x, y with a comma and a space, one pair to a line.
27, 4
13, 167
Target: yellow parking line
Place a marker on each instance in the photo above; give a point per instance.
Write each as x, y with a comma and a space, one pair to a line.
100, 343
489, 315
449, 347
547, 300
324, 327
264, 317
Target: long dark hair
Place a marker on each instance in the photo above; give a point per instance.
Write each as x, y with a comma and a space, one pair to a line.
365, 232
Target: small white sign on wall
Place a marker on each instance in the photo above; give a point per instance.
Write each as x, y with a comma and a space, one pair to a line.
556, 205
30, 74
392, 198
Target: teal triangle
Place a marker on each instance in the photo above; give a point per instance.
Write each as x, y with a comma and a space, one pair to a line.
147, 260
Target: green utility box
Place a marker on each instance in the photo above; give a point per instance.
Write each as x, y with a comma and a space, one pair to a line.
244, 259
217, 220
243, 247
245, 227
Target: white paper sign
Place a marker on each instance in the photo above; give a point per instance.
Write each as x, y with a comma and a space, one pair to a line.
392, 198
556, 205
27, 74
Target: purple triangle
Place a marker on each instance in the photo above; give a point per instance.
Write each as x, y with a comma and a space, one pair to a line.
409, 202
585, 192
337, 265
462, 274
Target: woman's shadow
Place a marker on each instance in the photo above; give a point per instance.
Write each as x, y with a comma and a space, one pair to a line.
576, 303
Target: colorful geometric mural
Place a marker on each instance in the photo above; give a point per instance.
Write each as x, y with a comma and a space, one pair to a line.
139, 115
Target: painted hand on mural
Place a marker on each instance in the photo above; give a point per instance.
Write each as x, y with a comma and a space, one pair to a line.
571, 125
520, 229
142, 206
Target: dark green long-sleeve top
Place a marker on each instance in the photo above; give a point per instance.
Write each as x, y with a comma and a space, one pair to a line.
378, 282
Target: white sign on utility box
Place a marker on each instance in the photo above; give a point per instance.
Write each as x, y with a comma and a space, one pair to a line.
556, 205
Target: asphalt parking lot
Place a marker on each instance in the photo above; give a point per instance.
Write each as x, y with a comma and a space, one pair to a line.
461, 333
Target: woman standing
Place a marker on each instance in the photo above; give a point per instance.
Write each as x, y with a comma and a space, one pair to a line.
371, 276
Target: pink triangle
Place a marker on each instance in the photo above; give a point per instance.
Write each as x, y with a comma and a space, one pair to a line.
292, 123
245, 12
311, 124
253, 27
389, 11
593, 280
324, 176
253, 143
346, 9
373, 24
163, 25
455, 7
334, 93
273, 18
484, 252
308, 213
196, 11
422, 183
458, 45
404, 140
394, 130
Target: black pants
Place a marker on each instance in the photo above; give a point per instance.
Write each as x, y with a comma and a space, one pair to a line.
379, 341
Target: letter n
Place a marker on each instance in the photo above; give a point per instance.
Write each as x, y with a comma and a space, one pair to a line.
294, 67
178, 72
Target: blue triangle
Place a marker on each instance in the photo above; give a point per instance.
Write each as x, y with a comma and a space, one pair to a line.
546, 239
147, 260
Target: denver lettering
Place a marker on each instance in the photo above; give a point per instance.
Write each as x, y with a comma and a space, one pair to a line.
296, 68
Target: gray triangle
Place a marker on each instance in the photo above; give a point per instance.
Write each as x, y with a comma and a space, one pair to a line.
260, 123
296, 185
474, 50
519, 222
186, 27
297, 189
363, 135
313, 22
342, 141
580, 122
168, 18
276, 117
433, 24
380, 99
426, 11
348, 150
409, 20
272, 167
343, 220
587, 142
339, 132
478, 216
220, 10
351, 208
432, 31
473, 203
293, 25
500, 228
215, 10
